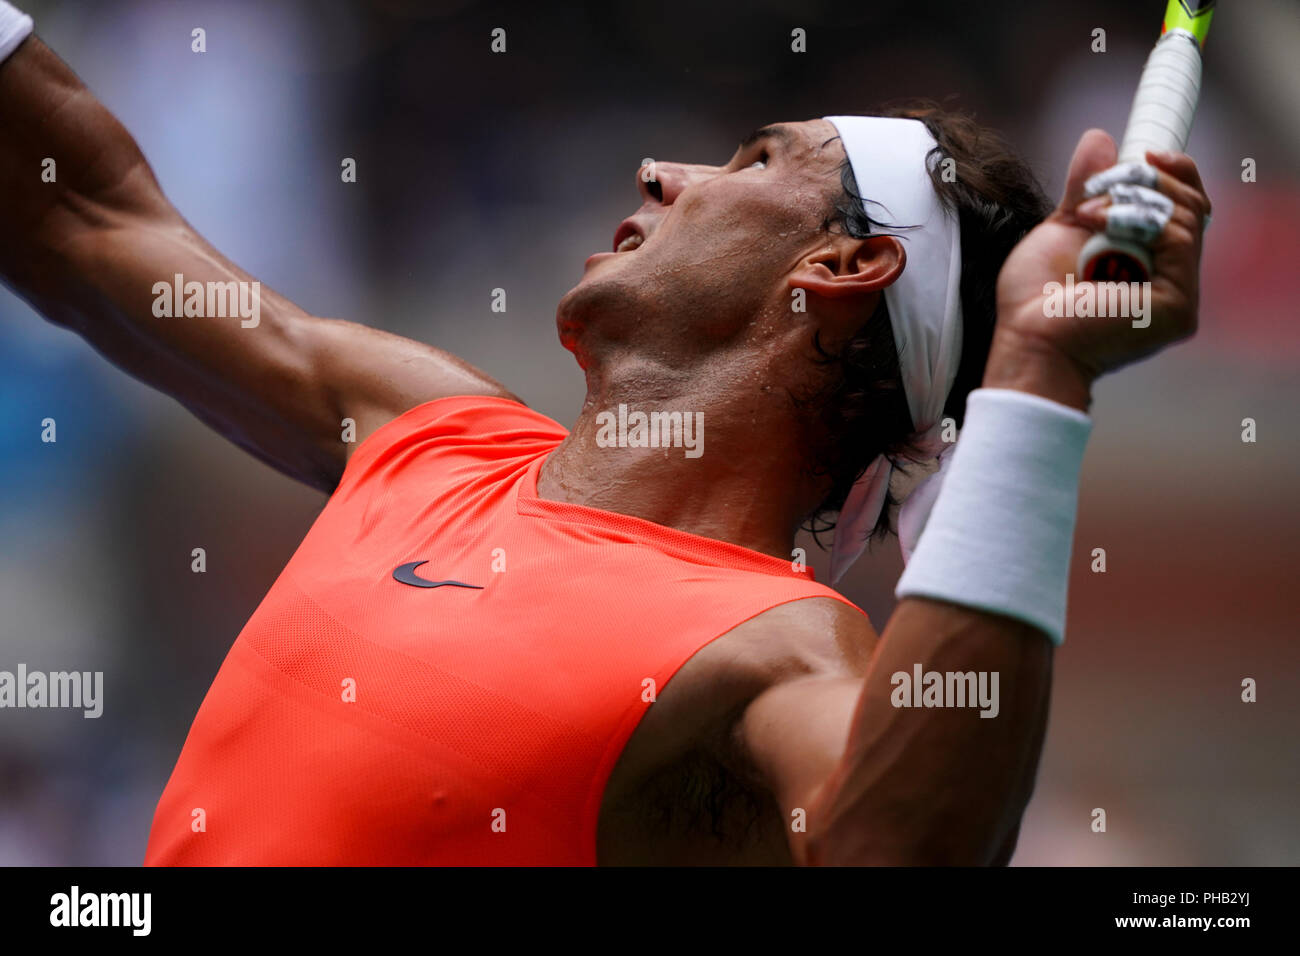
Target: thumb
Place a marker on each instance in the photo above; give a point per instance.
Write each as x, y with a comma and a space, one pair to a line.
1096, 151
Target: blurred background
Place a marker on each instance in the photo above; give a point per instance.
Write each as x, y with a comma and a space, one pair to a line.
477, 171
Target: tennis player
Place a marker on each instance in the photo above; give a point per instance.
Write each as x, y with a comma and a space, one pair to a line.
508, 642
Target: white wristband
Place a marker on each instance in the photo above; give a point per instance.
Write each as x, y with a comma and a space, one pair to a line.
1000, 535
14, 28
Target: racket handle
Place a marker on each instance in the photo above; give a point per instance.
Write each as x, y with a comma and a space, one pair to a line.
1160, 120
1165, 103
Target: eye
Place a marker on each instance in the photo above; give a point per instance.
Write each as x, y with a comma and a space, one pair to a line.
761, 162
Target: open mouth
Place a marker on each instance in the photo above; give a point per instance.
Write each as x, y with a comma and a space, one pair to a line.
628, 238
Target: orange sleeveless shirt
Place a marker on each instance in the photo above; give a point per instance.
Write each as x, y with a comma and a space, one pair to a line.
362, 720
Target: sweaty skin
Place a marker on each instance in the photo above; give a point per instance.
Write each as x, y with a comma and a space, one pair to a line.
788, 715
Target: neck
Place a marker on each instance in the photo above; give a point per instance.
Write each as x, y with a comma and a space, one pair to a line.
731, 472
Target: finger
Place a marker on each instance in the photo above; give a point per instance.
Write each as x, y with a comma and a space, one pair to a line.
1095, 214
1126, 194
1182, 168
1142, 174
1184, 195
1138, 174
1096, 151
1181, 184
1138, 214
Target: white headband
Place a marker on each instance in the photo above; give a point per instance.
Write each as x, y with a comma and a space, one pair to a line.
889, 160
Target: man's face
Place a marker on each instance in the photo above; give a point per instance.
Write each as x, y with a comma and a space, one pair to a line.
709, 253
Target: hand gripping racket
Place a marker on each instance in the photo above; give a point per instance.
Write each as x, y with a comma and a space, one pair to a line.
1161, 120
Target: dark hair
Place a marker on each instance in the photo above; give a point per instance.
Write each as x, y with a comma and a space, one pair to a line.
862, 410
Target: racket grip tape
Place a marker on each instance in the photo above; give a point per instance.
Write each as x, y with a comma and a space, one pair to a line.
1160, 120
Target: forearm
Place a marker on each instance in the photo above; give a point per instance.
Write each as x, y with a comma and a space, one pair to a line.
87, 237
85, 225
67, 167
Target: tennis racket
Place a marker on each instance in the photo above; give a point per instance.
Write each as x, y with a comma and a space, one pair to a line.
1160, 120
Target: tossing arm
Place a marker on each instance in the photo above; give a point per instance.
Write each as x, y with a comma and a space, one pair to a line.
93, 249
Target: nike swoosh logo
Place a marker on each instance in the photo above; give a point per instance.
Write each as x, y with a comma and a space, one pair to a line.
405, 574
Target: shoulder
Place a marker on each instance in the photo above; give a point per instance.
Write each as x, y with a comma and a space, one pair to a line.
374, 377
808, 637
815, 636
490, 430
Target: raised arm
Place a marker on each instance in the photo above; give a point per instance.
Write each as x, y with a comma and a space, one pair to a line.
944, 785
89, 248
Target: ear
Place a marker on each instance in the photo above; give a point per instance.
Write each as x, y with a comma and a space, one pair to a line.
850, 267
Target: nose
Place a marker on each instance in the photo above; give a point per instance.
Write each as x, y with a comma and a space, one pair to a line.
663, 181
